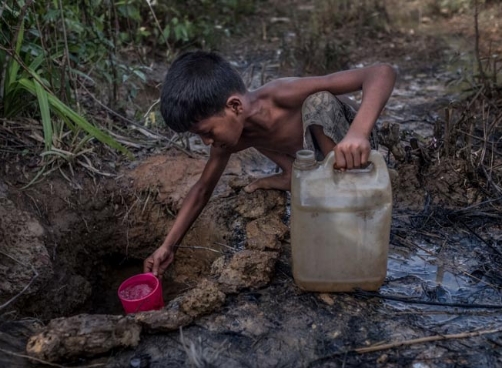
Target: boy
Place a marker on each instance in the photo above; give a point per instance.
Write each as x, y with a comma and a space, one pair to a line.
204, 95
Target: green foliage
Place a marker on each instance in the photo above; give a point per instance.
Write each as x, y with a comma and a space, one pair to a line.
52, 50
179, 23
32, 78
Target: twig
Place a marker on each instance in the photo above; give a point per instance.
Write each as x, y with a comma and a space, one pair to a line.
35, 275
157, 101
226, 246
489, 244
199, 247
139, 127
421, 340
159, 27
490, 181
2, 8
89, 167
45, 362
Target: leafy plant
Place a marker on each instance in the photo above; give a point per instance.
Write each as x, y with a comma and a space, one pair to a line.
53, 51
33, 86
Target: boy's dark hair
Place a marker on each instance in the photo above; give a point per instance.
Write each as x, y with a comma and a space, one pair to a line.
196, 87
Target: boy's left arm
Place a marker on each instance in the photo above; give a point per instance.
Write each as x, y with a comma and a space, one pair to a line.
376, 83
354, 149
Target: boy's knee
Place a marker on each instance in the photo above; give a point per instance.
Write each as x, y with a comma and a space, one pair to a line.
319, 101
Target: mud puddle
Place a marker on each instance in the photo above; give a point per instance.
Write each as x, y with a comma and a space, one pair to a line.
437, 286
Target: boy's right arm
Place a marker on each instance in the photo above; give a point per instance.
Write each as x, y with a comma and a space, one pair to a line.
192, 206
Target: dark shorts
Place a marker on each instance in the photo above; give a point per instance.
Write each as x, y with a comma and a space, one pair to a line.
335, 117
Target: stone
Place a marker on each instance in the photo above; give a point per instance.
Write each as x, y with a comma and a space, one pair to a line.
248, 269
164, 320
261, 203
204, 299
265, 233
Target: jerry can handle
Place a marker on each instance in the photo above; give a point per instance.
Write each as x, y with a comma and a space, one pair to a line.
375, 161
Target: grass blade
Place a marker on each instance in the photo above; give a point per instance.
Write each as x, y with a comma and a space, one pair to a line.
13, 67
61, 109
45, 113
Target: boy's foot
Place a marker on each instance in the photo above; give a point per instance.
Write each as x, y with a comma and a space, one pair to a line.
279, 181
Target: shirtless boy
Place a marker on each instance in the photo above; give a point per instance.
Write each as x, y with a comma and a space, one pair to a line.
204, 95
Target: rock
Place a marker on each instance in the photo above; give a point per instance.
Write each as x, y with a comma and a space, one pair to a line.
218, 266
261, 203
83, 335
265, 233
248, 269
326, 298
204, 299
169, 319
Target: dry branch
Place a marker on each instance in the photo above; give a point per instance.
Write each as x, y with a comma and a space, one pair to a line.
142, 129
422, 340
391, 345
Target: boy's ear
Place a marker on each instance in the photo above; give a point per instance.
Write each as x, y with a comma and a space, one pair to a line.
234, 103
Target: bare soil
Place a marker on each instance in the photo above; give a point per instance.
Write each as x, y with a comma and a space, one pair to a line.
73, 242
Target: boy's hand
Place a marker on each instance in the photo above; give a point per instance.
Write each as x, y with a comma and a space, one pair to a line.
158, 262
352, 152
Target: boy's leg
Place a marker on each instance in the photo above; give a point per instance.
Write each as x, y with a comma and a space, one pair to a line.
326, 121
281, 181
323, 142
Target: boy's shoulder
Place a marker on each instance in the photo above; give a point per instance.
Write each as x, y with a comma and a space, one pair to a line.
274, 88
282, 92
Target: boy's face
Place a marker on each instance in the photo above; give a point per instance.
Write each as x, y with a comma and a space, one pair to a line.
221, 130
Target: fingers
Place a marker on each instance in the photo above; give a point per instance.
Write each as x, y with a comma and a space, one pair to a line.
147, 265
158, 262
340, 162
155, 268
365, 156
163, 265
347, 157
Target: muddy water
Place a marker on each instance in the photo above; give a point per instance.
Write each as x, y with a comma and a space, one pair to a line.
439, 265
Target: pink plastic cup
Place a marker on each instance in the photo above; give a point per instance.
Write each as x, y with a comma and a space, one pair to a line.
141, 293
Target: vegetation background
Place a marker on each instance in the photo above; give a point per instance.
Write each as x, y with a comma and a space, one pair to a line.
63, 63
